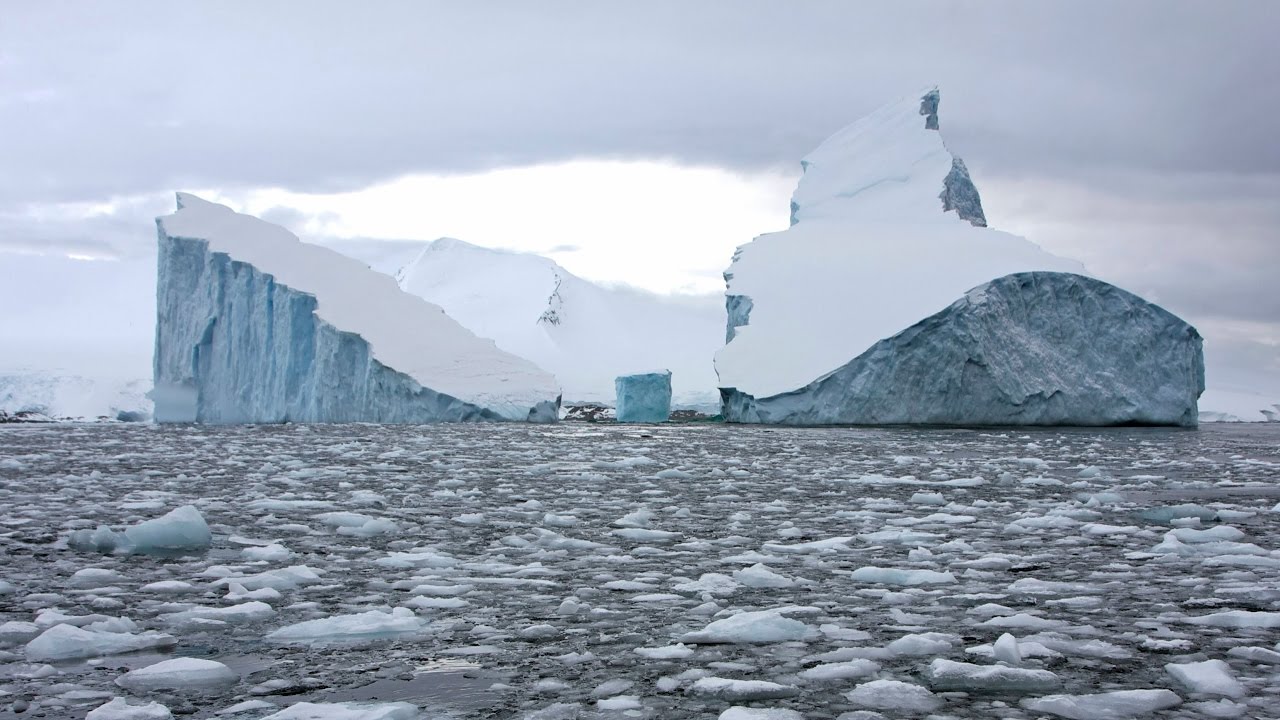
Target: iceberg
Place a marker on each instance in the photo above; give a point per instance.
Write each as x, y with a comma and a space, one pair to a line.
179, 531
886, 228
584, 333
255, 326
644, 397
182, 673
1037, 348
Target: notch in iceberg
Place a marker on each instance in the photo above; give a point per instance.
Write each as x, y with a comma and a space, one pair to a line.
255, 326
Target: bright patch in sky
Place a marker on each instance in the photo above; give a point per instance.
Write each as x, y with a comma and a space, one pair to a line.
654, 225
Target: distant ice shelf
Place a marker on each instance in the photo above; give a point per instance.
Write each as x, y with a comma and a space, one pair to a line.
255, 326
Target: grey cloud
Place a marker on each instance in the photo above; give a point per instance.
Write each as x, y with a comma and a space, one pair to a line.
142, 97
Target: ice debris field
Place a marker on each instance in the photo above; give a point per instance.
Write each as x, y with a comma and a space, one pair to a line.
384, 572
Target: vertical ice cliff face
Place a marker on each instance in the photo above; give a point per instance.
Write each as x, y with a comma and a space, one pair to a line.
256, 326
584, 333
887, 228
1036, 348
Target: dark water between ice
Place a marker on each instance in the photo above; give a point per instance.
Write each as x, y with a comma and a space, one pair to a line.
513, 520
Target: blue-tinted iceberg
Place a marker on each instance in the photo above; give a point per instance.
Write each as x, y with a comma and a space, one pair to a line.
255, 326
179, 531
1036, 348
644, 398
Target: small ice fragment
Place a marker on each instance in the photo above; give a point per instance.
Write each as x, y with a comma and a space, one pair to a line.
1116, 705
120, 709
894, 695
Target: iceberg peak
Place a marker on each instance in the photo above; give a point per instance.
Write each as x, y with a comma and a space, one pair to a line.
888, 167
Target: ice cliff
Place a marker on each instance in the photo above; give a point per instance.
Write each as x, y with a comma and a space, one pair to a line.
584, 333
255, 326
1035, 348
887, 228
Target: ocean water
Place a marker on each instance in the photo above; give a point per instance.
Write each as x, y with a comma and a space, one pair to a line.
583, 570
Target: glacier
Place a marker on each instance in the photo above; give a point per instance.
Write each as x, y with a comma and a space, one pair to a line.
1035, 348
644, 397
887, 228
255, 326
584, 333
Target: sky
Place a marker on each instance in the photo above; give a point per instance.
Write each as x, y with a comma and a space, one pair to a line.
639, 143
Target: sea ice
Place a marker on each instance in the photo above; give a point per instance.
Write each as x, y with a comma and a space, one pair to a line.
945, 674
120, 709
359, 626
1210, 677
898, 576
67, 642
894, 695
181, 530
763, 626
742, 690
347, 711
179, 674
1117, 705
747, 713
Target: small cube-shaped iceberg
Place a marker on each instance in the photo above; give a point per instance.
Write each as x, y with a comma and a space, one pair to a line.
644, 397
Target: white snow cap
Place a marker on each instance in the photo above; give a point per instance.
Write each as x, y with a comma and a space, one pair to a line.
404, 332
872, 250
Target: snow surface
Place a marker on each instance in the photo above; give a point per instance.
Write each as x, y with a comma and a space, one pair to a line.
584, 333
871, 252
243, 342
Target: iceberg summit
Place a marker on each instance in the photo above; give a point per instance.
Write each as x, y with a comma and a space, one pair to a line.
850, 315
255, 326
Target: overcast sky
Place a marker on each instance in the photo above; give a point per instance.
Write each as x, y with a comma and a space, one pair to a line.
639, 142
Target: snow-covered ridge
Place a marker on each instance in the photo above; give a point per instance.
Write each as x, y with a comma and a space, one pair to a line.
584, 333
874, 248
400, 333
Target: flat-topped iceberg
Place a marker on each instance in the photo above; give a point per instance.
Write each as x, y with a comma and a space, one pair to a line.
887, 228
1037, 348
255, 326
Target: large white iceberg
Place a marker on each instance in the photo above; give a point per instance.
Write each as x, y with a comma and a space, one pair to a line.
886, 229
254, 325
1038, 348
584, 333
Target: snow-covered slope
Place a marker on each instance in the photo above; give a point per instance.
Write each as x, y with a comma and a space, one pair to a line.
886, 229
77, 397
585, 334
254, 325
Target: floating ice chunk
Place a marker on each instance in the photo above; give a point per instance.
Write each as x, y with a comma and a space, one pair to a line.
281, 579
849, 670
899, 537
247, 612
635, 519
347, 711
1250, 653
921, 644
1213, 534
179, 674
1173, 512
1117, 705
17, 631
246, 706
714, 583
359, 626
1023, 621
1005, 650
827, 546
924, 498
742, 690
1238, 619
762, 626
120, 709
746, 713
1211, 677
183, 529
1221, 708
236, 591
94, 578
950, 675
679, 651
897, 576
169, 587
67, 642
418, 559
760, 576
267, 553
646, 535
894, 695
620, 702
